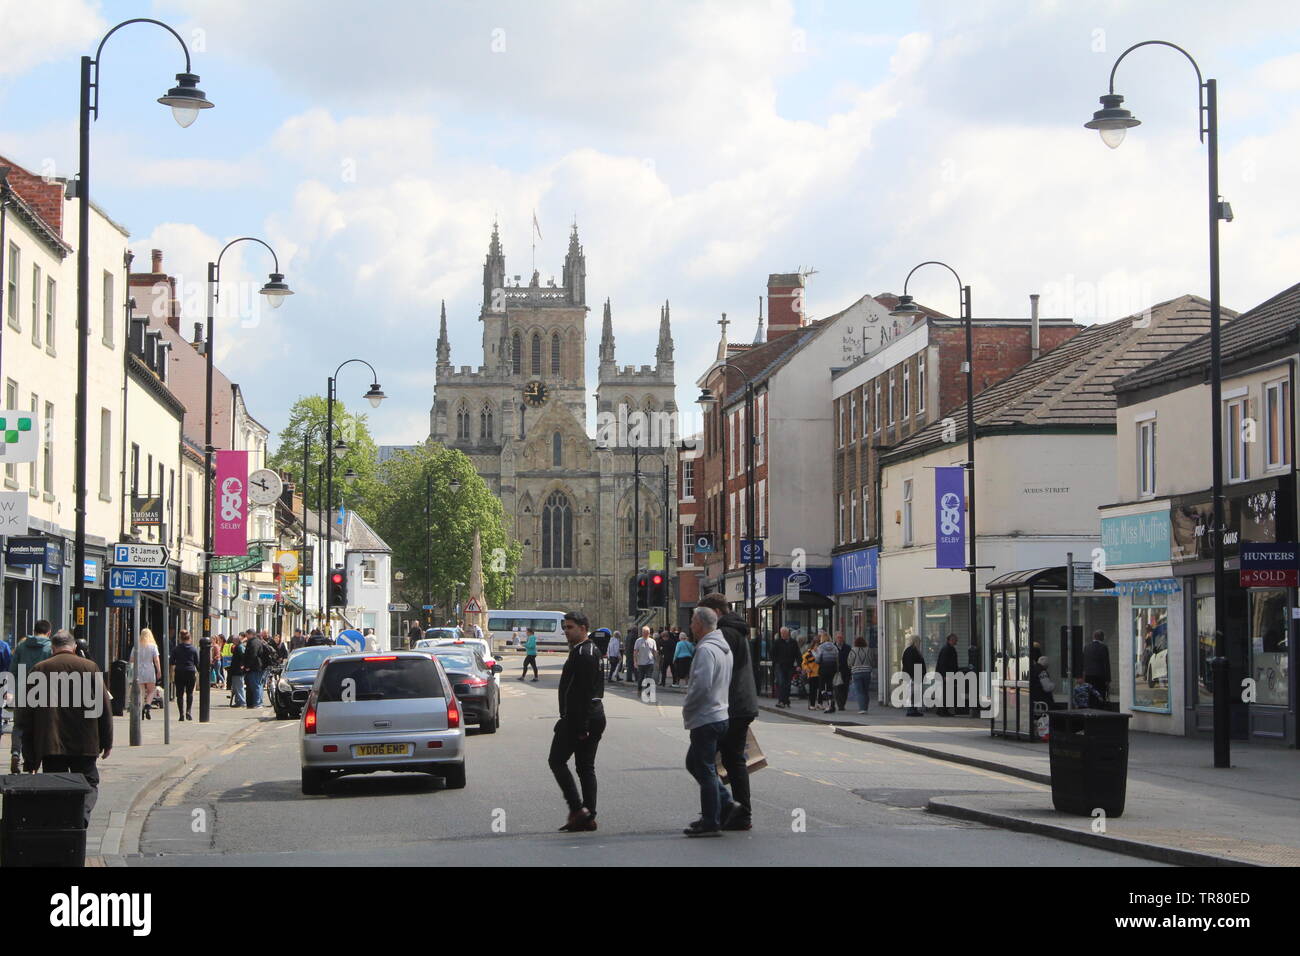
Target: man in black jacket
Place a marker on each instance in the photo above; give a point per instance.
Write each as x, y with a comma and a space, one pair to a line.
946, 664
256, 651
914, 668
1096, 664
742, 708
785, 658
581, 723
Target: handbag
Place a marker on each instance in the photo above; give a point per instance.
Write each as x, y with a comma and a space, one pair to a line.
1046, 683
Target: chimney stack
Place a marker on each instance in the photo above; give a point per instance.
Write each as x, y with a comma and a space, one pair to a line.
198, 337
173, 306
1034, 349
155, 255
785, 305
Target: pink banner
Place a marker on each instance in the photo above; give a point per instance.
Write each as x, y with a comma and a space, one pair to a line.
230, 514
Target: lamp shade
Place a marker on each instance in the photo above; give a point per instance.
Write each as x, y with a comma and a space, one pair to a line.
1112, 121
276, 290
905, 307
706, 397
186, 99
375, 395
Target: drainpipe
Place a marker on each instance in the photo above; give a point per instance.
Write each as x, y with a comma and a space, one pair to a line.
1034, 348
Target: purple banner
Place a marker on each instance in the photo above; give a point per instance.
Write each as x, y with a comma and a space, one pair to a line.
950, 517
230, 510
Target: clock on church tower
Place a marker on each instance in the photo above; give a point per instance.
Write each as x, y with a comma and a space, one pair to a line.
536, 393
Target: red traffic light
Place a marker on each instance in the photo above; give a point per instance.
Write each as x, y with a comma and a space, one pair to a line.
657, 579
336, 577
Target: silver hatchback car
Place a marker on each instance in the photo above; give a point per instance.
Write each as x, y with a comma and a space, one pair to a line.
372, 712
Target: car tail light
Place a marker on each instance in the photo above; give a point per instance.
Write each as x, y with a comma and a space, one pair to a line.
392, 657
453, 713
475, 681
309, 716
331, 748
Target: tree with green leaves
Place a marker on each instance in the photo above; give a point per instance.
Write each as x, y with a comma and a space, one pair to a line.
307, 421
430, 526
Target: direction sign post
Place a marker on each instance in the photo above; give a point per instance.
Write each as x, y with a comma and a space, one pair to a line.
139, 579
131, 555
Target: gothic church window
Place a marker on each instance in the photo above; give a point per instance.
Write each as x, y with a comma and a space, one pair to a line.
555, 354
462, 423
557, 532
517, 353
557, 450
485, 431
537, 354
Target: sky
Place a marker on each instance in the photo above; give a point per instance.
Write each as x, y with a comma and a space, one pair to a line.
699, 147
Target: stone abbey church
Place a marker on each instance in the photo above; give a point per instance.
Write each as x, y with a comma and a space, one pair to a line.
521, 417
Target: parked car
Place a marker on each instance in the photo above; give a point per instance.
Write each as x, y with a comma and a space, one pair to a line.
296, 680
473, 681
381, 712
478, 644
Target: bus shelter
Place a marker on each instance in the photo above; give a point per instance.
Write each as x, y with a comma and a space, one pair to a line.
1029, 623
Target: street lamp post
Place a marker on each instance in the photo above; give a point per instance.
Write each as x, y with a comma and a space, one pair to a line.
185, 99
375, 396
1112, 121
907, 307
706, 399
275, 291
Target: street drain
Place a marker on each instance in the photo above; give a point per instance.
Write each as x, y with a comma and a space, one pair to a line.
908, 799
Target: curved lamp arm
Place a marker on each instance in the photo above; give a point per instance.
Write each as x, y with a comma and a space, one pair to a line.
1200, 81
934, 262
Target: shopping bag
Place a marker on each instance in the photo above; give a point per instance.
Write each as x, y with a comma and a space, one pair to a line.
755, 760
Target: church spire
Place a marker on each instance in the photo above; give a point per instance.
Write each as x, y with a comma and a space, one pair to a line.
758, 336
607, 338
664, 353
494, 274
444, 344
575, 269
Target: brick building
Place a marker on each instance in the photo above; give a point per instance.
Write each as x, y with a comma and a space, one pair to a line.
889, 395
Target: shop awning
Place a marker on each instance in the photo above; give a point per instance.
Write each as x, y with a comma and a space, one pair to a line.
806, 599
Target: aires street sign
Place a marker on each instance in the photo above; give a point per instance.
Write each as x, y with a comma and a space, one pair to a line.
130, 555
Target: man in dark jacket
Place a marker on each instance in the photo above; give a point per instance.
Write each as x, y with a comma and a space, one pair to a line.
914, 668
841, 690
1096, 664
235, 675
257, 654
742, 708
581, 723
946, 664
785, 658
317, 639
667, 643
414, 634
60, 735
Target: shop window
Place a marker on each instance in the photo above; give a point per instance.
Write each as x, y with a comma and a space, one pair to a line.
1268, 645
1151, 653
1205, 640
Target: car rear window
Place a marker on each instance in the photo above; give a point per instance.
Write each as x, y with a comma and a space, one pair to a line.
457, 661
382, 678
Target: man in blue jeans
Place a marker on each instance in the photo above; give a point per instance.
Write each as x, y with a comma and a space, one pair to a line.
704, 714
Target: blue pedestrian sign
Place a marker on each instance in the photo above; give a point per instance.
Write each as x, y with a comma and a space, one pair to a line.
751, 551
138, 579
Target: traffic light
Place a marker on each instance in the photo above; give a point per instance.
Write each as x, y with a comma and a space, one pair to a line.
642, 590
338, 588
658, 589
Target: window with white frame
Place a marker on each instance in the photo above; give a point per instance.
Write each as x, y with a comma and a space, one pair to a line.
840, 535
760, 427
1277, 424
105, 454
731, 445
760, 509
890, 398
688, 478
735, 528
907, 512
11, 401
11, 288
853, 517
48, 456
189, 505
920, 381
33, 488
907, 392
51, 287
108, 308
369, 571
875, 410
853, 416
36, 305
865, 418
840, 443
866, 502
688, 546
1146, 457
1236, 432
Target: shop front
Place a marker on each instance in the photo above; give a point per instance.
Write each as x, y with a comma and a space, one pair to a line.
1258, 630
33, 583
799, 600
1032, 612
932, 619
853, 583
1149, 609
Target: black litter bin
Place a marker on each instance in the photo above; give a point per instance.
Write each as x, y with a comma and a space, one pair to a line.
1089, 761
43, 821
117, 686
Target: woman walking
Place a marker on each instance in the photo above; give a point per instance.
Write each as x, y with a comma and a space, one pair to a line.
185, 674
860, 672
828, 661
682, 655
811, 670
145, 658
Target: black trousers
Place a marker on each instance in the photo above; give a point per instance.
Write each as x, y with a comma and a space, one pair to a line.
86, 766
783, 673
841, 692
529, 659
732, 753
565, 744
814, 691
185, 681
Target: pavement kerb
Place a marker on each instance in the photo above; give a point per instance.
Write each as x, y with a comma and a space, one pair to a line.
152, 787
1161, 854
937, 754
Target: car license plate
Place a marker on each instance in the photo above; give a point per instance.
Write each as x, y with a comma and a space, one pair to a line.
381, 750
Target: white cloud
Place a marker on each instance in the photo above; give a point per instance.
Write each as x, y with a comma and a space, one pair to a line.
36, 33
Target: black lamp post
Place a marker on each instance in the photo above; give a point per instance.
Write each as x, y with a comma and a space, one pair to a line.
1112, 121
185, 99
375, 396
275, 291
707, 399
308, 433
907, 307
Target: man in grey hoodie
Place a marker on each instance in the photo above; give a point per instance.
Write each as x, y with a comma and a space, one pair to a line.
704, 714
